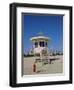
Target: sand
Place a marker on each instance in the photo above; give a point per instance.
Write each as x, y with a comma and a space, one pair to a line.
56, 66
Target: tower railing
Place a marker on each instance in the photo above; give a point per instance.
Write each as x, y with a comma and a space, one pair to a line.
43, 56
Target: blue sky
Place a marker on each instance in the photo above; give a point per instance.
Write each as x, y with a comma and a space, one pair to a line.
51, 26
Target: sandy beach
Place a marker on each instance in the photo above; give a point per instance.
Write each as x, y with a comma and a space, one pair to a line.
56, 66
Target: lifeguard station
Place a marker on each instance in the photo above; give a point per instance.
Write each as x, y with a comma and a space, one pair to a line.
40, 48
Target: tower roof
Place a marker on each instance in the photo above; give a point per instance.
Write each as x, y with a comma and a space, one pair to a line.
40, 34
38, 38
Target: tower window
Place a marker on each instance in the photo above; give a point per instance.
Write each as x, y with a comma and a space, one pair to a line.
45, 43
36, 44
41, 44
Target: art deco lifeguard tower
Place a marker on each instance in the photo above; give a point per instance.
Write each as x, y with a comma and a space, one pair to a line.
40, 48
